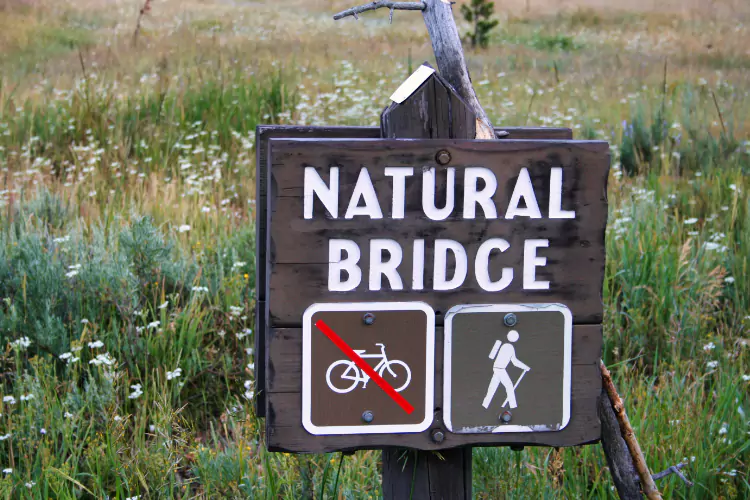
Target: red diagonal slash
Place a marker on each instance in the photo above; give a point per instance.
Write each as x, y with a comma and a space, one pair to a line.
362, 364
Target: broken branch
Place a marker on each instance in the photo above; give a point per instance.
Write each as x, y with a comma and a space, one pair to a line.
380, 4
639, 461
675, 469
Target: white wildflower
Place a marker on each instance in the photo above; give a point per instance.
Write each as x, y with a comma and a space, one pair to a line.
137, 392
30, 484
26, 397
746, 378
729, 279
118, 418
8, 471
9, 399
42, 431
200, 289
67, 414
84, 321
724, 429
690, 222
5, 436
238, 265
251, 366
96, 344
102, 359
712, 364
184, 228
66, 355
709, 347
22, 343
162, 306
153, 324
176, 373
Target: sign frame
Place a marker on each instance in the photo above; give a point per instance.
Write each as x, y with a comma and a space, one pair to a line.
507, 308
307, 333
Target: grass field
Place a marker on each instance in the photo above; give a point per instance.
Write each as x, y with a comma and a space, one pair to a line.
127, 241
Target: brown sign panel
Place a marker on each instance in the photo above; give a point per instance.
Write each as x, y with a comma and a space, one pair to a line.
564, 183
447, 223
507, 368
395, 340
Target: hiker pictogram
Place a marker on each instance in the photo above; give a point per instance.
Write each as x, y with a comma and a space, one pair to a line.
504, 355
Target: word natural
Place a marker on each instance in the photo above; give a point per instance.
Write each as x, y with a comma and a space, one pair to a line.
344, 268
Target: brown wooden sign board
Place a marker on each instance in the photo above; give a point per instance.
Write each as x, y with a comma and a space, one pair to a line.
264, 133
502, 222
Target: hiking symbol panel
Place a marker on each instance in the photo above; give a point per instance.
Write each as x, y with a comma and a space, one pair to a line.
368, 368
507, 368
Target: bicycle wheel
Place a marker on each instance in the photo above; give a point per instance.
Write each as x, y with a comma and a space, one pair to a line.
402, 377
336, 373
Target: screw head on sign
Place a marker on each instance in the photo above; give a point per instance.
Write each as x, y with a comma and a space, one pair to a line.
368, 319
367, 416
438, 436
443, 157
506, 416
510, 319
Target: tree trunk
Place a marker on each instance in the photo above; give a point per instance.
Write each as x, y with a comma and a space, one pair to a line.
446, 44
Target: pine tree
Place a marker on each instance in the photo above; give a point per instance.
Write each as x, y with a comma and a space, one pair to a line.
479, 12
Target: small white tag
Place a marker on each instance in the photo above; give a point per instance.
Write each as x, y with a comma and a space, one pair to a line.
412, 84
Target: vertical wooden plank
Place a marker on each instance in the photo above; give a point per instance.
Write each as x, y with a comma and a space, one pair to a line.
428, 114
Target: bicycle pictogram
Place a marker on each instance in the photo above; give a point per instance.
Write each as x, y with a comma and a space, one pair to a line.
345, 370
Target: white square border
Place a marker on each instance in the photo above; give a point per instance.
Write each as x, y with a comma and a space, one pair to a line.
307, 328
507, 308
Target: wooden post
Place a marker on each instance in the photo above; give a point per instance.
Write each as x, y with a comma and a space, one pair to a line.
434, 111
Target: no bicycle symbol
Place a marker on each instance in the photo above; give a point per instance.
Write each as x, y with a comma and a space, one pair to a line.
370, 373
385, 385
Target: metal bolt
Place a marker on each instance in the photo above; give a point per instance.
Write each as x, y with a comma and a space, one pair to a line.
506, 416
438, 436
367, 416
368, 319
443, 157
510, 319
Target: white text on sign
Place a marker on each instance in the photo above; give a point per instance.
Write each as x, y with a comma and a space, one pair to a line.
345, 270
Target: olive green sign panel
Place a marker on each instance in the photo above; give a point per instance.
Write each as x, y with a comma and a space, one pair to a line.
507, 368
396, 340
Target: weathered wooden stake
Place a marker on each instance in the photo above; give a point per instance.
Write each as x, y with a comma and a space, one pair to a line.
613, 449
434, 111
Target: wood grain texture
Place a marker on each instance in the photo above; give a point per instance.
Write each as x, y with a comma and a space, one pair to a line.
298, 248
432, 112
427, 476
617, 453
263, 134
284, 431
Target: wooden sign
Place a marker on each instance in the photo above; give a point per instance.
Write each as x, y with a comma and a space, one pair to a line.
507, 368
443, 222
368, 368
263, 135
